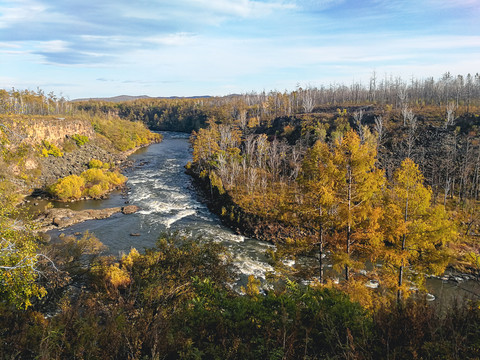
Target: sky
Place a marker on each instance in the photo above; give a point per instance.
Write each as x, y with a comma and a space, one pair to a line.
102, 48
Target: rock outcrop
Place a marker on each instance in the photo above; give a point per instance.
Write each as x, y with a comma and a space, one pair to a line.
130, 209
52, 129
60, 218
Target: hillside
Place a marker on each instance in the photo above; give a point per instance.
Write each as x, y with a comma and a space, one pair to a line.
39, 149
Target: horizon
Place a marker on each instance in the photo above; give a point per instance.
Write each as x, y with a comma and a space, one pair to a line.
217, 48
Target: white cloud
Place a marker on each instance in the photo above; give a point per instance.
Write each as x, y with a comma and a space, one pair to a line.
172, 45
53, 46
456, 3
242, 8
20, 12
6, 45
178, 39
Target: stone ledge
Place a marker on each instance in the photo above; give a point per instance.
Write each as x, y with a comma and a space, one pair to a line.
60, 218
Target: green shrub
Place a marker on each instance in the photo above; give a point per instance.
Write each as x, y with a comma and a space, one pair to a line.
50, 149
80, 139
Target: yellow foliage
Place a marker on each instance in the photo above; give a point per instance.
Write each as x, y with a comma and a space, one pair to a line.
253, 287
205, 144
216, 182
91, 183
124, 134
50, 149
253, 122
93, 176
117, 277
95, 164
94, 191
128, 260
115, 178
70, 187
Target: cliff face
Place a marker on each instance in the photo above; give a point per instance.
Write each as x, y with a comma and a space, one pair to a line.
53, 130
22, 164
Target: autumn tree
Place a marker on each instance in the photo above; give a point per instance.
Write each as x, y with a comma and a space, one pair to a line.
343, 185
358, 184
206, 145
415, 232
319, 195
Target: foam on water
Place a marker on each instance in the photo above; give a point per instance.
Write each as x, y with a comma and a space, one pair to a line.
177, 217
289, 262
249, 266
160, 207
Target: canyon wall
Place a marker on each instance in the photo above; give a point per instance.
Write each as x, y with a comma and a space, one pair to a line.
54, 130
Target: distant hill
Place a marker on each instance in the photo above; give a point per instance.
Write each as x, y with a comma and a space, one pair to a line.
122, 98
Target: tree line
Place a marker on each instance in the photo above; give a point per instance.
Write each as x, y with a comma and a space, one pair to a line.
453, 94
29, 102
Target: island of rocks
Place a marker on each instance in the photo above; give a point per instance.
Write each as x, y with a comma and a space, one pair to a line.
60, 218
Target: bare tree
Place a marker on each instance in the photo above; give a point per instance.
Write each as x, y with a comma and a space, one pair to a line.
450, 120
242, 118
308, 99
411, 133
262, 150
407, 114
222, 167
252, 175
274, 158
295, 161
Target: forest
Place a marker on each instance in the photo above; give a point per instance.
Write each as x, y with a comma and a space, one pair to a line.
377, 184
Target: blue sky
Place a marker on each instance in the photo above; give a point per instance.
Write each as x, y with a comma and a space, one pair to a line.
93, 48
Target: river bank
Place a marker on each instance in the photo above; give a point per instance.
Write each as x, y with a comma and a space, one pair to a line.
236, 218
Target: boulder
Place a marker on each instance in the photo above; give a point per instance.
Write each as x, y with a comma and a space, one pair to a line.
130, 209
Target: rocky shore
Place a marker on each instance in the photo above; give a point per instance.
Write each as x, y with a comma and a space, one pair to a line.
237, 219
60, 218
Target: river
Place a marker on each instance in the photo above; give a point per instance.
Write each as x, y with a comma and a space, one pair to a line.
168, 202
